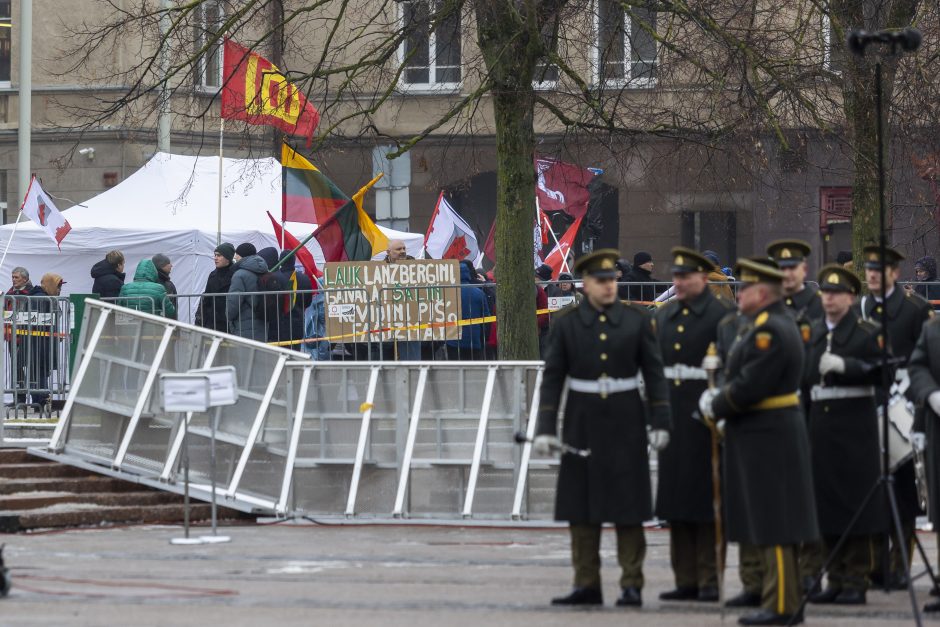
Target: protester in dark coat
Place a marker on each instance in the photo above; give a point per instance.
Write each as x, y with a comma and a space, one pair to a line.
19, 346
211, 311
641, 273
239, 308
108, 275
925, 270
472, 305
164, 266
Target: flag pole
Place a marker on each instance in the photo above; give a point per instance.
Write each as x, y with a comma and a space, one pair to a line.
218, 237
564, 260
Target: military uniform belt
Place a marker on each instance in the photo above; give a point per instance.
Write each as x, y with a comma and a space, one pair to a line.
836, 392
778, 402
681, 372
604, 385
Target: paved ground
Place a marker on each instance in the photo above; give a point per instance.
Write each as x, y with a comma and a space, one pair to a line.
346, 575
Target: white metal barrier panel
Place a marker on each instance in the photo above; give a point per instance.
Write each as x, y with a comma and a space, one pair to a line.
365, 439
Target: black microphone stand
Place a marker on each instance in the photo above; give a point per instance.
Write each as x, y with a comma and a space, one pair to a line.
908, 40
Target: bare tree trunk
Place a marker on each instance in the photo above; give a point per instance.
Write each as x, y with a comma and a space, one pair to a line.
515, 220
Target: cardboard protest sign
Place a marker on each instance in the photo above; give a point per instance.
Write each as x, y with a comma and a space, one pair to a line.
396, 300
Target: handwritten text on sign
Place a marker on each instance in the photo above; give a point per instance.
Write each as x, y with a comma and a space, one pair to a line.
369, 295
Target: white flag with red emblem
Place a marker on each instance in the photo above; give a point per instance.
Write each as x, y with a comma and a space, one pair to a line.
449, 236
39, 208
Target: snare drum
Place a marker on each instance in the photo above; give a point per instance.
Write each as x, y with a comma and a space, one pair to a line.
900, 422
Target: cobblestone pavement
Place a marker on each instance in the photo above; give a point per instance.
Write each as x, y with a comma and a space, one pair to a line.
351, 575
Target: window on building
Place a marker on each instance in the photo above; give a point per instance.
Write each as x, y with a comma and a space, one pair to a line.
208, 22
546, 74
711, 230
431, 50
626, 47
6, 41
833, 46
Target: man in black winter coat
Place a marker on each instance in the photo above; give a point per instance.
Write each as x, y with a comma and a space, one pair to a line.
211, 311
108, 275
642, 272
164, 267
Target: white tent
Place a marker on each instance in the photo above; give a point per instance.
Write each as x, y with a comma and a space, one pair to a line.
169, 206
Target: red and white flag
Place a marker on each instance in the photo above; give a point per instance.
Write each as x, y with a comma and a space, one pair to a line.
39, 208
558, 257
449, 236
562, 186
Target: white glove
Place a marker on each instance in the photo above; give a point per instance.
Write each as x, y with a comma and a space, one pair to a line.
658, 439
546, 444
919, 441
705, 402
830, 362
934, 401
720, 425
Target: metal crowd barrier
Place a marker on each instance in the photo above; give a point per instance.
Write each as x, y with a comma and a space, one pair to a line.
37, 334
369, 439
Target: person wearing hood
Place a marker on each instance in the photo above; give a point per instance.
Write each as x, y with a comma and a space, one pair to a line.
164, 266
211, 311
45, 356
108, 275
925, 271
240, 308
145, 293
292, 307
472, 305
717, 279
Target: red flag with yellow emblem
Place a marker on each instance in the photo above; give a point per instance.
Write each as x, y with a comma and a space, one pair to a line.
256, 92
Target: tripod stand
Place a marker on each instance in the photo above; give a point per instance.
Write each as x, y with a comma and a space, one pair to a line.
909, 40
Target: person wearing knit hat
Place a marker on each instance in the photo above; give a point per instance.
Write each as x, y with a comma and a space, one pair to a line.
641, 273
925, 272
211, 311
163, 265
226, 250
245, 250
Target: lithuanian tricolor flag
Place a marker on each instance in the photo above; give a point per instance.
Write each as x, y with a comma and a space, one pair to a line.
308, 195
350, 234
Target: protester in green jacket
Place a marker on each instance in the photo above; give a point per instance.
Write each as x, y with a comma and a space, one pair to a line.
146, 293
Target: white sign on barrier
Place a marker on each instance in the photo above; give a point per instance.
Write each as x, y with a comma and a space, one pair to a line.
184, 392
559, 302
222, 386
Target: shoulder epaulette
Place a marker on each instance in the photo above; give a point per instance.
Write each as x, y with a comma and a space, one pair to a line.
762, 319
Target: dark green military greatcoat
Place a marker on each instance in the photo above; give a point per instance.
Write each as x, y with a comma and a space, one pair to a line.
684, 490
805, 304
613, 484
843, 432
924, 370
768, 488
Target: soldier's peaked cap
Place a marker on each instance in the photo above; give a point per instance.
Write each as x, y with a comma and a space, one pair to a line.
600, 264
687, 260
757, 270
789, 252
872, 255
834, 278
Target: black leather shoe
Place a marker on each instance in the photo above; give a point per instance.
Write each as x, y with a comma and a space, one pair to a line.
932, 607
825, 596
630, 597
811, 586
708, 594
766, 617
581, 596
680, 594
898, 581
745, 599
850, 597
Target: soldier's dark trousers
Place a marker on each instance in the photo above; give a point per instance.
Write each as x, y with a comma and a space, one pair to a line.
781, 591
812, 557
850, 566
692, 553
750, 569
894, 555
586, 555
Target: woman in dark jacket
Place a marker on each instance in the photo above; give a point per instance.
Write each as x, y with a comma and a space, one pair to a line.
109, 275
